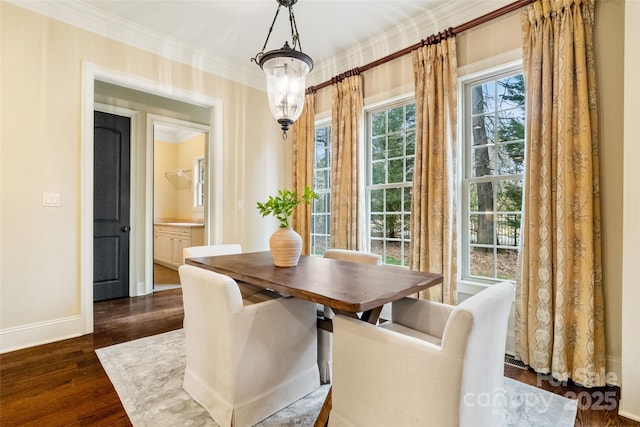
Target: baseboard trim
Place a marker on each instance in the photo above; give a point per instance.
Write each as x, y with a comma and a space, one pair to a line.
20, 337
634, 417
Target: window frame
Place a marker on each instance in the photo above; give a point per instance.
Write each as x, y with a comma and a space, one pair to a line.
199, 162
319, 124
467, 282
369, 111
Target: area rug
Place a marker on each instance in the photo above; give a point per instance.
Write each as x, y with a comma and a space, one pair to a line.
147, 374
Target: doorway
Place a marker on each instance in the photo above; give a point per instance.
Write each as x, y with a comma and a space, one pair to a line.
141, 236
179, 195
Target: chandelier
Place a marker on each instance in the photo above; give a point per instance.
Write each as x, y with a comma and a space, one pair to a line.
286, 69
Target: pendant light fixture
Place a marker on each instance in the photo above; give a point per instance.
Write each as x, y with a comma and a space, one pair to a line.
286, 69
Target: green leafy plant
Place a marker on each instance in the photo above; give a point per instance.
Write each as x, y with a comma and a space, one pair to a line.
282, 204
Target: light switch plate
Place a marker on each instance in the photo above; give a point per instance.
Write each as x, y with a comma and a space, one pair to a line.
51, 199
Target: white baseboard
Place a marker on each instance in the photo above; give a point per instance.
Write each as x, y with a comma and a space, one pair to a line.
622, 413
40, 333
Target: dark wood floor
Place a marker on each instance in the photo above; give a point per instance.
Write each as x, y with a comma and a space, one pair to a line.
63, 384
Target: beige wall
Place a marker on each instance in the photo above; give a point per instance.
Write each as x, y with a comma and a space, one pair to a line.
165, 155
188, 151
41, 81
499, 42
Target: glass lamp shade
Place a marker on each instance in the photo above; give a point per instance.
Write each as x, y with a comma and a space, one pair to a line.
286, 72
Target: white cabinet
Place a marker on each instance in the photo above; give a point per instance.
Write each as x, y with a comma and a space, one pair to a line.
169, 240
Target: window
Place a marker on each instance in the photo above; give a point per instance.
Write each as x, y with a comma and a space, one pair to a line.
198, 182
493, 176
391, 140
321, 208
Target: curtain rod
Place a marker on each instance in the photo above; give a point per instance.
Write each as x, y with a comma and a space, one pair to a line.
455, 30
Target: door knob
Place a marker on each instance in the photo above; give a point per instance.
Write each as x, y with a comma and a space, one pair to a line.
126, 228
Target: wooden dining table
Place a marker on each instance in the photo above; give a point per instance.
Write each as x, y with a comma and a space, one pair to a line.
351, 289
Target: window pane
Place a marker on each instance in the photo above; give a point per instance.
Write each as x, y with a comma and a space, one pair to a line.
483, 231
483, 98
396, 171
393, 253
377, 225
483, 128
410, 163
410, 117
378, 172
393, 200
378, 148
407, 253
411, 143
407, 199
396, 146
510, 158
510, 92
378, 124
321, 180
377, 201
481, 161
377, 247
508, 229
507, 264
321, 204
393, 226
511, 125
406, 226
481, 262
509, 195
481, 197
396, 119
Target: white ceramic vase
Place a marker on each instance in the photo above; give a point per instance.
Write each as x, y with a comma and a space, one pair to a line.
286, 246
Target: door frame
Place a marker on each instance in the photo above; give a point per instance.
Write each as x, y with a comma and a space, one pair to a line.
213, 216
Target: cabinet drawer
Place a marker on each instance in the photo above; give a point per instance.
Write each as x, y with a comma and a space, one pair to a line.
175, 231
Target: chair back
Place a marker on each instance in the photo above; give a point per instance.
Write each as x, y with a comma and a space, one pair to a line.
210, 250
484, 317
353, 256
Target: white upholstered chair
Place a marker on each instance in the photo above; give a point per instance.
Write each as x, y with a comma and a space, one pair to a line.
324, 337
433, 365
245, 363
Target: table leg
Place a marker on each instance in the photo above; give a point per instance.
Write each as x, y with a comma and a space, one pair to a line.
323, 416
372, 315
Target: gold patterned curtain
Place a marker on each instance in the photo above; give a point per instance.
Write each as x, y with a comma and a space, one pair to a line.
346, 119
559, 305
433, 220
303, 137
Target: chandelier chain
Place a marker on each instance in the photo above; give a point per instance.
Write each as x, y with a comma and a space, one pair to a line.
295, 37
257, 57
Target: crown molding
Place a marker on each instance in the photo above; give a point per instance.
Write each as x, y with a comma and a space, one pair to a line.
95, 21
79, 14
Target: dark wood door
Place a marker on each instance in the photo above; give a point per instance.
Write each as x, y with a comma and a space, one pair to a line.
111, 202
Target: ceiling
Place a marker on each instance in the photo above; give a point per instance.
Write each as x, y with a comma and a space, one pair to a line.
220, 36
